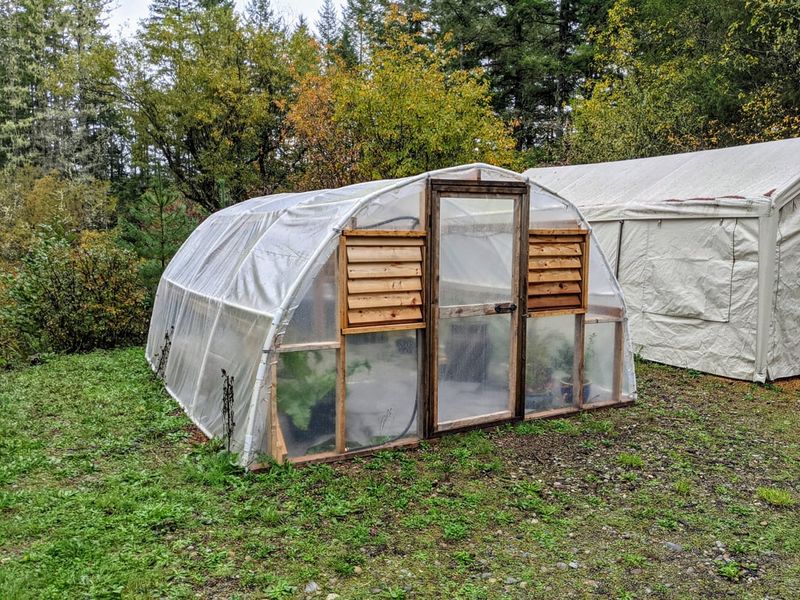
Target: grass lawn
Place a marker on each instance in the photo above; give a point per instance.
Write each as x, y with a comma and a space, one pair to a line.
693, 493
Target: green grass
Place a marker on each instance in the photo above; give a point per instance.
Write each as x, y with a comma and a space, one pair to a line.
775, 496
105, 492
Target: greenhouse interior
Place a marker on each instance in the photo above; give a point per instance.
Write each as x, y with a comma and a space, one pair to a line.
318, 325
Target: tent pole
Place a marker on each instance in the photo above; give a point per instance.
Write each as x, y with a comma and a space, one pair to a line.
619, 249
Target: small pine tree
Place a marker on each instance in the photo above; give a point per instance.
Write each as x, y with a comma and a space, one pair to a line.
155, 227
259, 14
328, 26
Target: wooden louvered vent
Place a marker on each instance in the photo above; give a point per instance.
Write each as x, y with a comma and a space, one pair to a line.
557, 270
383, 275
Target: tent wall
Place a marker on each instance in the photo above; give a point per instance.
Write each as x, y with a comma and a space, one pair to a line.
691, 287
784, 349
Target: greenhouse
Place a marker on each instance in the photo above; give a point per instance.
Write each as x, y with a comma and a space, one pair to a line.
310, 326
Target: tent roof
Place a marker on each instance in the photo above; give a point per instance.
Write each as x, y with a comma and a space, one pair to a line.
743, 179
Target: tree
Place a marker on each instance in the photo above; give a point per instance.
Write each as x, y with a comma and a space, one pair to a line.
328, 26
688, 75
361, 21
535, 53
155, 227
400, 113
260, 15
207, 96
54, 108
161, 9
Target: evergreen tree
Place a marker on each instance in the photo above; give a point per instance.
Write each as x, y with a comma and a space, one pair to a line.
155, 226
344, 49
260, 15
57, 67
362, 20
160, 9
328, 26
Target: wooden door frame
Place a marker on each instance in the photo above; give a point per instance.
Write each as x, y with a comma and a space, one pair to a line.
435, 190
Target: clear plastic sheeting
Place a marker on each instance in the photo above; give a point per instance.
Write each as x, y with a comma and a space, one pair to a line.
549, 363
474, 358
398, 209
306, 395
598, 359
475, 250
261, 276
382, 388
315, 318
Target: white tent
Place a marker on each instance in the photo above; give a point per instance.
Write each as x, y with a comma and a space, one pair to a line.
385, 312
706, 246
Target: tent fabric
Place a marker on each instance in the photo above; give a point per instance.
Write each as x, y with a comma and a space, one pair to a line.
705, 246
228, 296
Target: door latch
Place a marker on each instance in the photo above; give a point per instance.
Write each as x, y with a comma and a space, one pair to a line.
505, 307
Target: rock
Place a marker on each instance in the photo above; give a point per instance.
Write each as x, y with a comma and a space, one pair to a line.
358, 570
332, 597
523, 584
574, 565
511, 580
673, 547
491, 580
486, 575
311, 587
561, 566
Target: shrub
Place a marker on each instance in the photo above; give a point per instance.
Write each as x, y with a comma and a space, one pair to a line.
75, 297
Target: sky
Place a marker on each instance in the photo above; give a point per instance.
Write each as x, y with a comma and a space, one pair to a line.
125, 14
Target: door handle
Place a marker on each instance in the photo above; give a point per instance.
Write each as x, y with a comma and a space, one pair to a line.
505, 307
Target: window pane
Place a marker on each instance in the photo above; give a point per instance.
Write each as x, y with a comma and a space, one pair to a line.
382, 391
549, 360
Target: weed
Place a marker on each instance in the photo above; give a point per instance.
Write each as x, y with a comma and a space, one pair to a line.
634, 560
667, 523
454, 531
682, 487
730, 570
631, 461
776, 496
530, 428
464, 558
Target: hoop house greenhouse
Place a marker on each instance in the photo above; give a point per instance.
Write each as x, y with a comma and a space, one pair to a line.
313, 325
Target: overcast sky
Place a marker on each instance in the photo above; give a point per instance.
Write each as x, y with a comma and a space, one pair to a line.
125, 14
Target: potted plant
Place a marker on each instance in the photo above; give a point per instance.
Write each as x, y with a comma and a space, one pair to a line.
539, 370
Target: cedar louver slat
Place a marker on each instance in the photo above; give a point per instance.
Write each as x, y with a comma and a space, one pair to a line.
383, 286
557, 271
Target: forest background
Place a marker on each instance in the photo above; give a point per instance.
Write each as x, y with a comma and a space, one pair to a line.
113, 150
